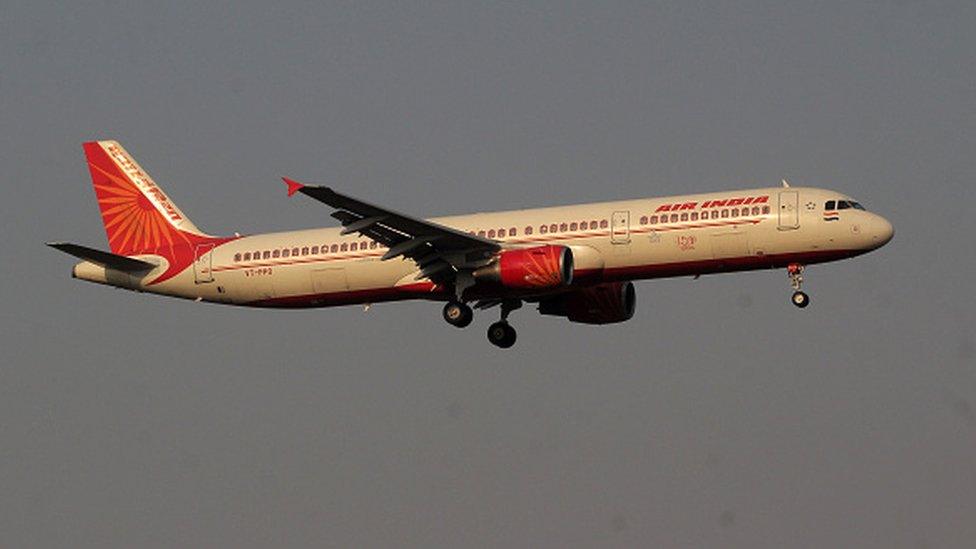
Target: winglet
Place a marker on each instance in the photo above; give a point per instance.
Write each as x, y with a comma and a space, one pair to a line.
293, 186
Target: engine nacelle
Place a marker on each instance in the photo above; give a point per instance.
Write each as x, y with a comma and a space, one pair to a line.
601, 304
541, 267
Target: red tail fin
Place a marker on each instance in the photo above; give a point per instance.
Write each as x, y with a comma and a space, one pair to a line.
138, 217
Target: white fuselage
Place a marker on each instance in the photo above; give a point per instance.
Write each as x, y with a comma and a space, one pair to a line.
622, 240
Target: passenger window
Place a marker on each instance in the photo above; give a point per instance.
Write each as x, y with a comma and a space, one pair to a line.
830, 205
334, 248
574, 226
247, 256
237, 257
583, 225
755, 210
543, 229
643, 220
481, 234
604, 224
684, 216
353, 246
267, 254
694, 216
294, 251
553, 227
725, 213
735, 212
592, 224
653, 220
372, 245
284, 253
563, 227
674, 218
491, 233
512, 231
344, 247
276, 253
528, 229
315, 250
766, 210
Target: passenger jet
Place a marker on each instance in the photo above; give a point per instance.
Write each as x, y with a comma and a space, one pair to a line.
577, 262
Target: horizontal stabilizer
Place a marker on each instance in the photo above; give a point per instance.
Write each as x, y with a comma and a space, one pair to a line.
105, 259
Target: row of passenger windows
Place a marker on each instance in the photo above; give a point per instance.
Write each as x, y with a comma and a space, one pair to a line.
694, 216
305, 251
360, 246
545, 229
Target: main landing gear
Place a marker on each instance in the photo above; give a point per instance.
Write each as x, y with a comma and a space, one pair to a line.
501, 334
458, 314
795, 272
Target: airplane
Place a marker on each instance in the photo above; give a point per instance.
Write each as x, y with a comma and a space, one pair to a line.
577, 262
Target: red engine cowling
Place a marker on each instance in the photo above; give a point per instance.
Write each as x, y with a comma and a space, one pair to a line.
541, 267
602, 304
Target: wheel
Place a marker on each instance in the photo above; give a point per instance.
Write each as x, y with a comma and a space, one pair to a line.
457, 314
501, 334
801, 299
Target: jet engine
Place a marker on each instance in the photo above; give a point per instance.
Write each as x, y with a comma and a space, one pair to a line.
600, 304
541, 267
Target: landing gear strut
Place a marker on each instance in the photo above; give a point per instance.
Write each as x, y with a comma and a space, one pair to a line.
501, 333
457, 314
795, 272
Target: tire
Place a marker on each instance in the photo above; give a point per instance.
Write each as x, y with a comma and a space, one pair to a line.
501, 334
457, 314
800, 299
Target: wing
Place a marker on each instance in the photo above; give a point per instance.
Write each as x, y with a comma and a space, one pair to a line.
439, 251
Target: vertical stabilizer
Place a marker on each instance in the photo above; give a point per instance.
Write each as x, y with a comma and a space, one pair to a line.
138, 216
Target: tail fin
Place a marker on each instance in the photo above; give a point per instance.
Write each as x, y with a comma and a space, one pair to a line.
138, 217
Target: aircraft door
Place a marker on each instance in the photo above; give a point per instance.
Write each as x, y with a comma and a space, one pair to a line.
789, 210
620, 227
203, 264
326, 281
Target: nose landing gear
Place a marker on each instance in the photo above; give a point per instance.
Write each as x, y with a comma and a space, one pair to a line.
795, 272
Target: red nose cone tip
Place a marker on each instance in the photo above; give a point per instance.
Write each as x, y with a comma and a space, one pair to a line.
293, 186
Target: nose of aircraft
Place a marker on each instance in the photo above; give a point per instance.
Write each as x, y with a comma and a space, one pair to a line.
881, 231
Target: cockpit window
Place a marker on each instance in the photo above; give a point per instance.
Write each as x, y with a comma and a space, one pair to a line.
842, 205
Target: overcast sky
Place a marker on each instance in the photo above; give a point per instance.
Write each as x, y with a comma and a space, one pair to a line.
720, 415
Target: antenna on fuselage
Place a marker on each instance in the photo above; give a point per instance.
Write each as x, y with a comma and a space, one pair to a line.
786, 184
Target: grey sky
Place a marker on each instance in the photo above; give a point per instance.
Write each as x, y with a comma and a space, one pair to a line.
719, 416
